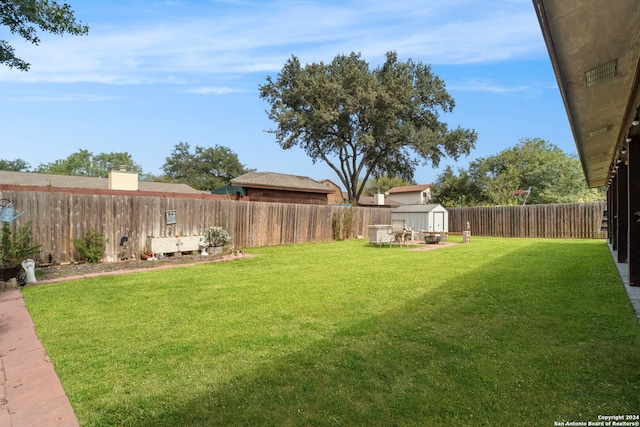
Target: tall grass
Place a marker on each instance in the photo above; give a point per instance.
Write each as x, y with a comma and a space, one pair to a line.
496, 332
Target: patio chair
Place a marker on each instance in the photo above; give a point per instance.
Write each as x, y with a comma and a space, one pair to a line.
398, 231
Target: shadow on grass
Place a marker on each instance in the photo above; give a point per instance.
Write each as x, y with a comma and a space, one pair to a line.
525, 340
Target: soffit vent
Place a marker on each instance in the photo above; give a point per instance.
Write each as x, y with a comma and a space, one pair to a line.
601, 73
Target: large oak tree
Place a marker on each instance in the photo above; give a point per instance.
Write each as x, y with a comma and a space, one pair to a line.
365, 123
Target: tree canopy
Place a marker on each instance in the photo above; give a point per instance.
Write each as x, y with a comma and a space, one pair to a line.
364, 122
17, 165
86, 163
204, 168
533, 163
23, 17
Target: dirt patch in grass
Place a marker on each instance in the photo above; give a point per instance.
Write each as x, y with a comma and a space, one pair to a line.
429, 247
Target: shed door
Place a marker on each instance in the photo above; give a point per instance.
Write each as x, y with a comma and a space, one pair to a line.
438, 221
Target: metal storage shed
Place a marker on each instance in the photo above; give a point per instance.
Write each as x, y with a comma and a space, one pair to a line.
431, 217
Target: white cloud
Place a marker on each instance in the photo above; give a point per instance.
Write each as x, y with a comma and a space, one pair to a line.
64, 97
260, 36
487, 85
213, 90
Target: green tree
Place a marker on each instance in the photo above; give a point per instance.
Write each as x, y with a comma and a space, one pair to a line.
17, 165
456, 190
533, 163
383, 184
204, 168
364, 123
84, 163
23, 17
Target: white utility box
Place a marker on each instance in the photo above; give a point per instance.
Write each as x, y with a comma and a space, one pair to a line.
168, 245
380, 234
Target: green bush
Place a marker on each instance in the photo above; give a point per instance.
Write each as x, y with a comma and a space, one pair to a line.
91, 246
216, 236
335, 226
16, 247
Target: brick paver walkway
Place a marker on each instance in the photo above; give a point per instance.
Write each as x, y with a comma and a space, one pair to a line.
30, 391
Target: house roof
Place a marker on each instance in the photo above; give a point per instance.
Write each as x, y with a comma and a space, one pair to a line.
369, 201
72, 181
330, 184
409, 188
280, 181
419, 208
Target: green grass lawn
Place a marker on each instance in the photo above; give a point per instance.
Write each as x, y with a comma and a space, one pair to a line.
496, 332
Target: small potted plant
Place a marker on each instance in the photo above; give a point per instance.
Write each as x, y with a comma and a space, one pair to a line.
217, 237
15, 248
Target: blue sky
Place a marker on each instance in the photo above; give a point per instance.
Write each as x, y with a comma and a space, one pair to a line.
151, 74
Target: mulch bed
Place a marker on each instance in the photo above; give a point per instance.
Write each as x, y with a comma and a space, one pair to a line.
55, 273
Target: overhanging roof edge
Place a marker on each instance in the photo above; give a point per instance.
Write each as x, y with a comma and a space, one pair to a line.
548, 39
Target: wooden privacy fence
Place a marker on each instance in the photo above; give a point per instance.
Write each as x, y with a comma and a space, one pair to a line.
570, 220
57, 218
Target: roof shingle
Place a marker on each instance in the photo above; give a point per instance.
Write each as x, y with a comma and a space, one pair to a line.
280, 181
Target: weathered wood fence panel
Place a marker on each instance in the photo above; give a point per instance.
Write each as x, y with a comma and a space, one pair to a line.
570, 220
58, 218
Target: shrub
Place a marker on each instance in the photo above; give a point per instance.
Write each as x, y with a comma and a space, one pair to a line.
216, 236
15, 248
91, 246
335, 226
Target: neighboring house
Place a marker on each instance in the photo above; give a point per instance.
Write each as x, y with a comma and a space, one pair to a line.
378, 201
411, 194
281, 188
336, 197
117, 181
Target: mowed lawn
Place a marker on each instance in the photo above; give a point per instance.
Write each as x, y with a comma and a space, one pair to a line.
495, 332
